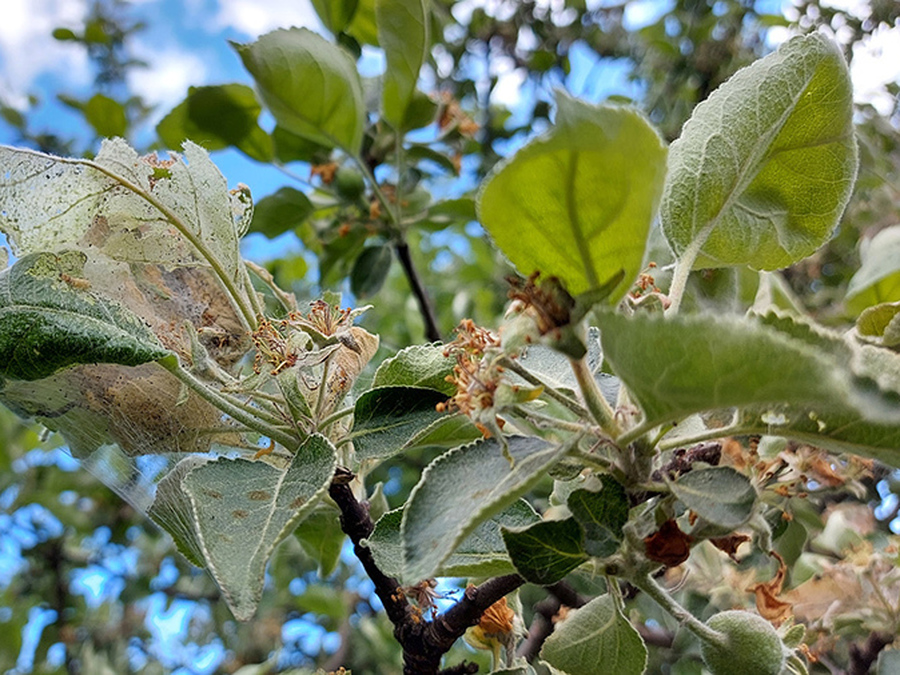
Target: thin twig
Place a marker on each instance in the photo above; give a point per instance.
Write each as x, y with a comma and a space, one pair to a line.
432, 332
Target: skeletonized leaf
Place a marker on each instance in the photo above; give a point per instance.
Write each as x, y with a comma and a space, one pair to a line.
577, 203
311, 86
595, 634
127, 213
50, 319
765, 166
240, 510
403, 35
461, 489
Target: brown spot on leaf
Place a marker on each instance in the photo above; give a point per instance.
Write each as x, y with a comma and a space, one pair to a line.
240, 513
213, 494
298, 502
259, 495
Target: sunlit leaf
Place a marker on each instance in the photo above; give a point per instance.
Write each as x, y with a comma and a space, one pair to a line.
310, 85
577, 203
387, 420
878, 278
417, 366
403, 35
765, 166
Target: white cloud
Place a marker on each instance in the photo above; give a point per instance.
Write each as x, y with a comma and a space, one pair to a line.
253, 18
876, 62
170, 70
28, 50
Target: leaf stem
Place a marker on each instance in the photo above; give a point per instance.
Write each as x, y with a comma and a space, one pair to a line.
683, 270
570, 403
661, 596
600, 410
248, 419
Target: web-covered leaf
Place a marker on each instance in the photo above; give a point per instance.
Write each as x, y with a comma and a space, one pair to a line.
123, 210
50, 319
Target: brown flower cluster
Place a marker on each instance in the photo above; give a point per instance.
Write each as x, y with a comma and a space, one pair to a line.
476, 378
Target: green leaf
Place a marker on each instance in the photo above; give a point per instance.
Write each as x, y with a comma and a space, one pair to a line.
50, 319
417, 366
335, 14
595, 634
602, 515
106, 115
387, 544
719, 495
218, 117
387, 420
686, 364
403, 35
321, 537
370, 270
285, 210
311, 86
741, 178
881, 324
483, 553
240, 510
878, 278
363, 26
577, 203
290, 147
546, 552
461, 489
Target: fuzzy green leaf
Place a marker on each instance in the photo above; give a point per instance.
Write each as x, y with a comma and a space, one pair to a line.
51, 319
463, 488
719, 495
239, 511
595, 634
284, 210
602, 515
311, 86
577, 203
387, 420
417, 366
546, 552
765, 166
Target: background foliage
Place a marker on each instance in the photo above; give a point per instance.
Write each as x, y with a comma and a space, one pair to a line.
95, 586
